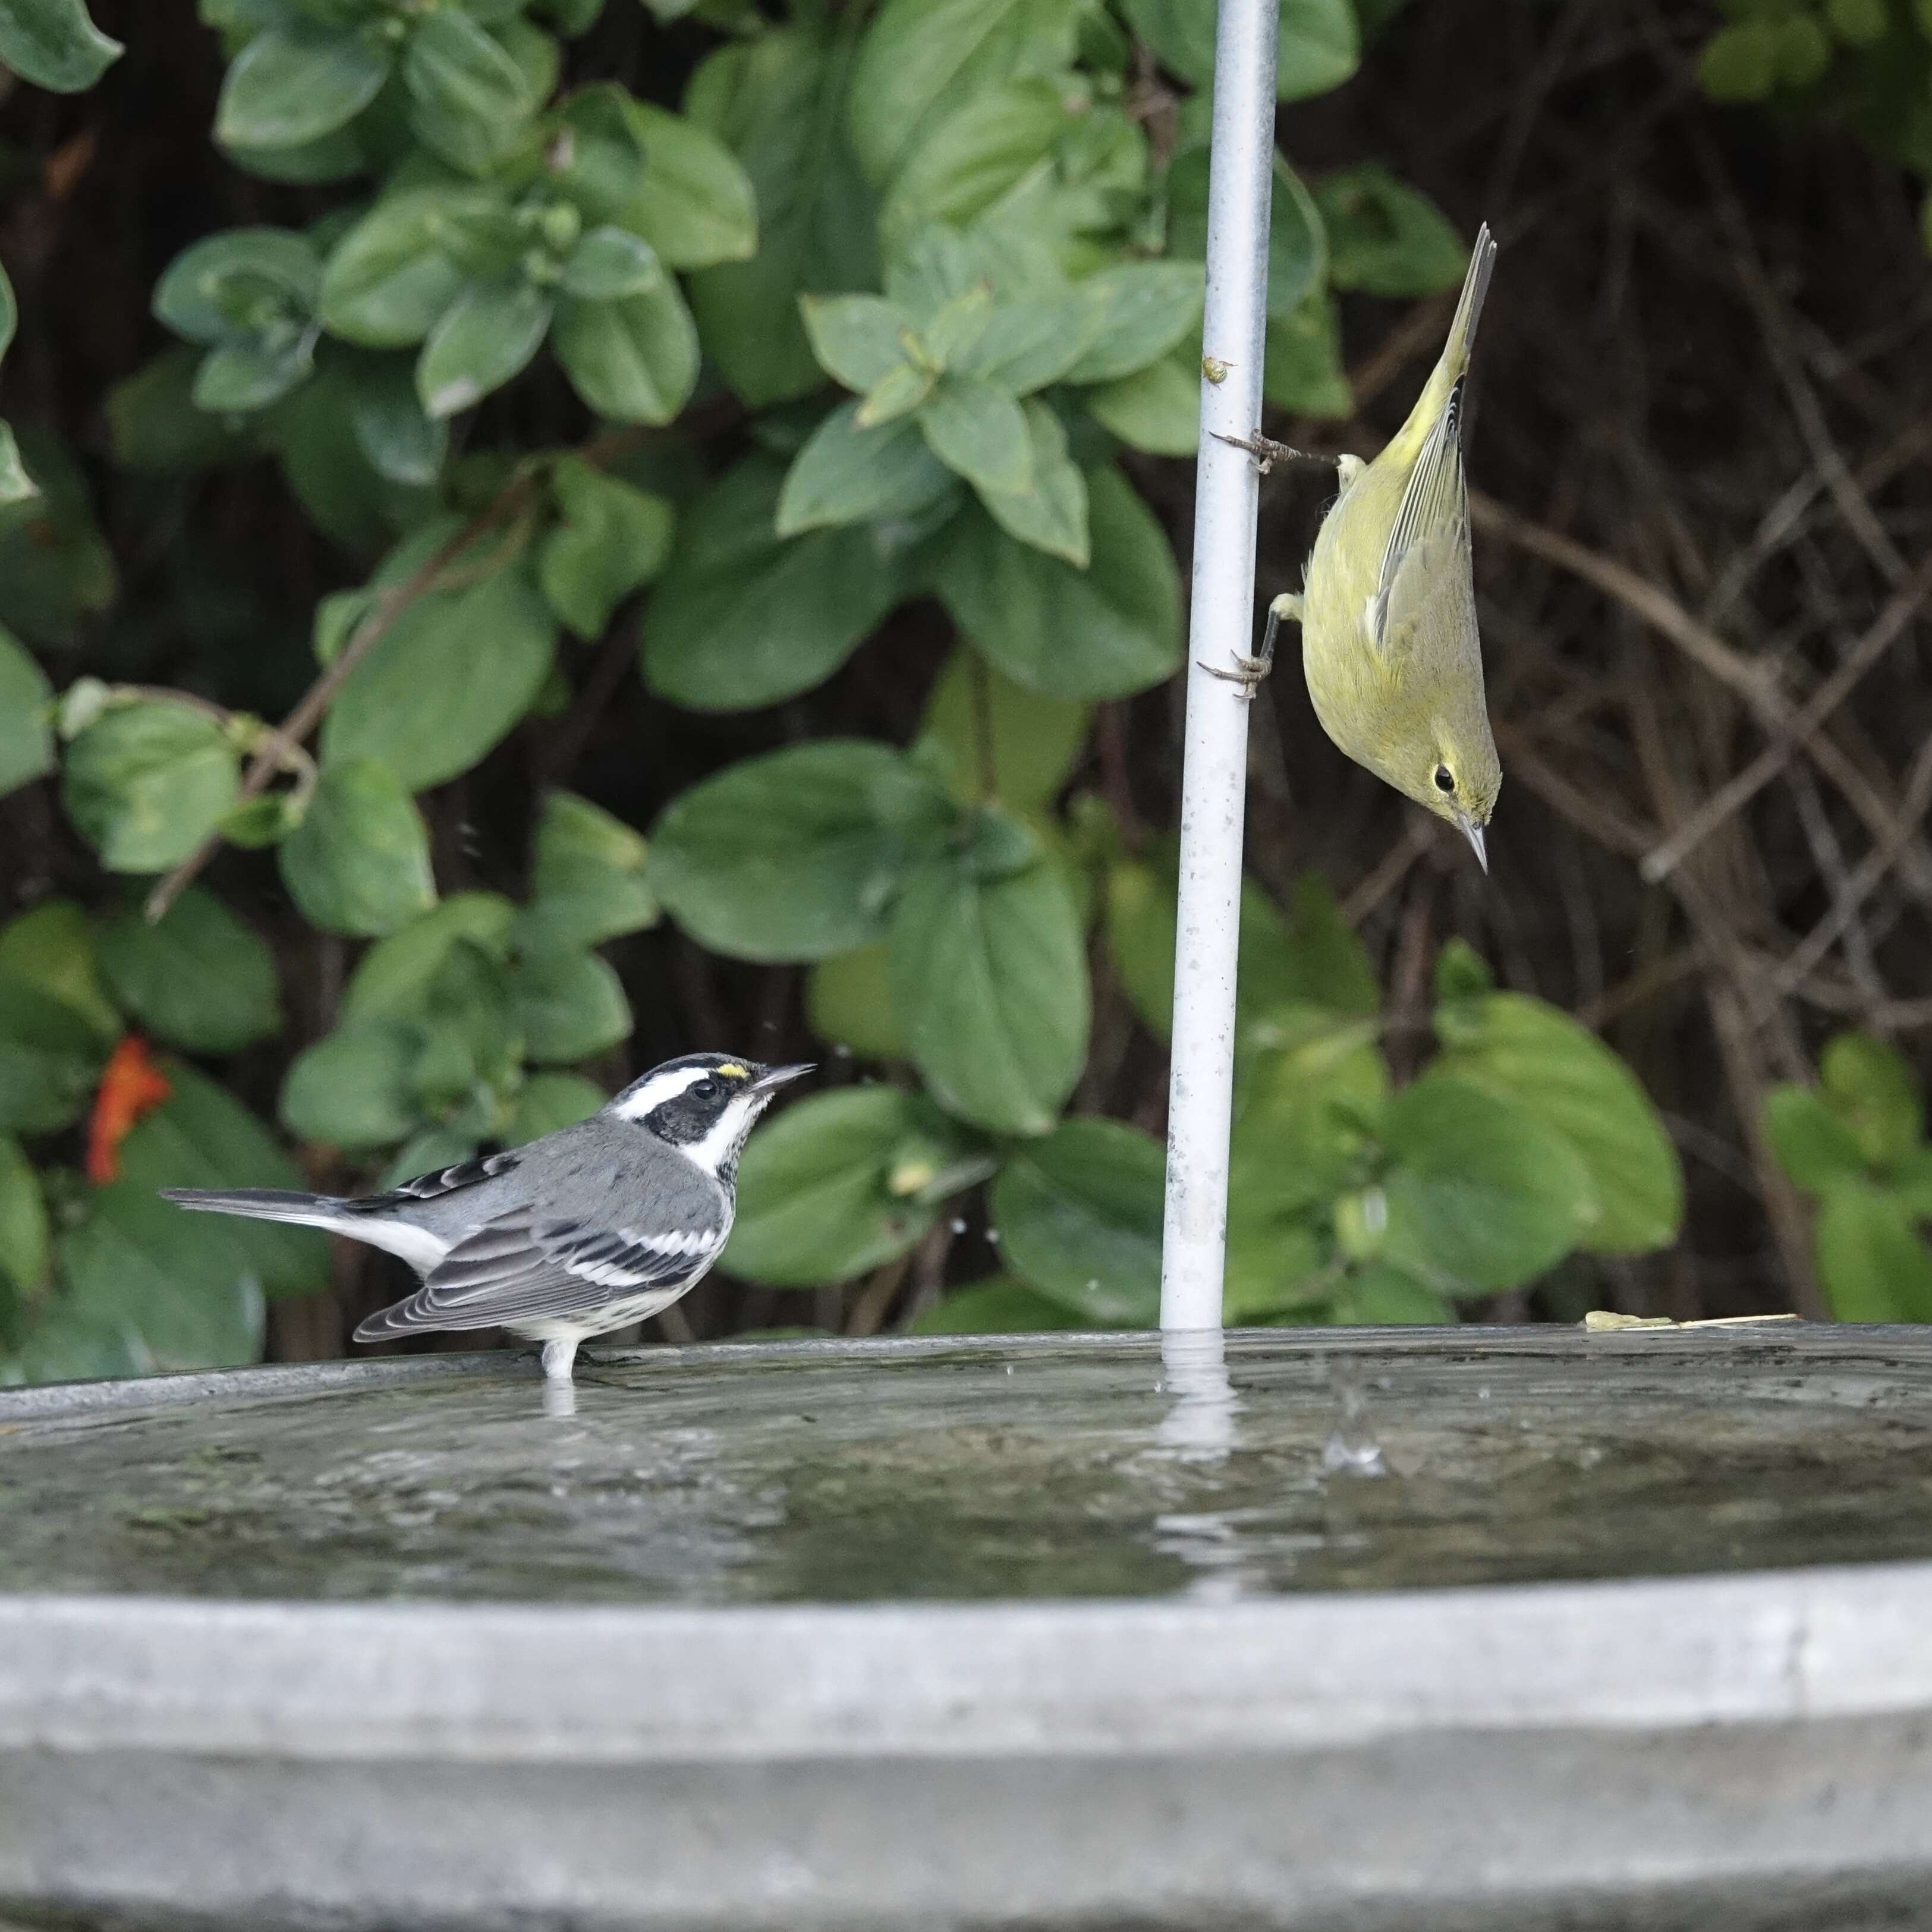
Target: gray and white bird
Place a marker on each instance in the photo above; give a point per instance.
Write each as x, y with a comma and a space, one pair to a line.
589, 1229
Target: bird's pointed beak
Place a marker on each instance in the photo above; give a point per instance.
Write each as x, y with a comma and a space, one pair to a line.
1473, 832
773, 1077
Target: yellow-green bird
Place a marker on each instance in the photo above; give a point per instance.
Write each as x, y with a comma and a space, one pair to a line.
1388, 608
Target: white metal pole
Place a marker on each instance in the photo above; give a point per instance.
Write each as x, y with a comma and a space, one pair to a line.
1220, 629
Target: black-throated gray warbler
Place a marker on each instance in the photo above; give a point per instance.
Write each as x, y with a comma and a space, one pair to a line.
589, 1229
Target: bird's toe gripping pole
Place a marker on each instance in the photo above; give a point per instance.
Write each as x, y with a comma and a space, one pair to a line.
1249, 672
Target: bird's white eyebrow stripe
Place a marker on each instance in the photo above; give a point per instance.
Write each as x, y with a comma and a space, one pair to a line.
659, 1088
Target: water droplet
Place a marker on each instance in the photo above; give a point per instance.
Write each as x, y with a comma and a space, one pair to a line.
1351, 1449
841, 1051
1482, 1395
993, 1237
958, 1225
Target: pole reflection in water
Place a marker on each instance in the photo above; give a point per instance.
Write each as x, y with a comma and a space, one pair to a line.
1200, 1429
1200, 1423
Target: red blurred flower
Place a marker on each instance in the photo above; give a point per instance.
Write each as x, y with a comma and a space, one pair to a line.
131, 1085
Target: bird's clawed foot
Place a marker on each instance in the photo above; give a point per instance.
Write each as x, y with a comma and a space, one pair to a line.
1267, 452
1248, 674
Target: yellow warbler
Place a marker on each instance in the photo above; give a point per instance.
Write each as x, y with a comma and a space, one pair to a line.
1388, 608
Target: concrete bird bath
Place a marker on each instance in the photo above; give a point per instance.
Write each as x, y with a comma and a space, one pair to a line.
1634, 1630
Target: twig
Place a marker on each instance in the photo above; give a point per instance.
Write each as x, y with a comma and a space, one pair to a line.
1797, 729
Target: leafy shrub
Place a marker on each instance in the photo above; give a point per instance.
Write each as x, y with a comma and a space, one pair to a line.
879, 311
1856, 1142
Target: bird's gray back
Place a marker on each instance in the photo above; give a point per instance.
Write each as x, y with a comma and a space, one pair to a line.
604, 1172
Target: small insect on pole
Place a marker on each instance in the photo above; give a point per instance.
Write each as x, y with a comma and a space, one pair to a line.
1220, 629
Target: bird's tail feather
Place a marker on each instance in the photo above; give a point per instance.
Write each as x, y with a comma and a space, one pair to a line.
260, 1204
1406, 444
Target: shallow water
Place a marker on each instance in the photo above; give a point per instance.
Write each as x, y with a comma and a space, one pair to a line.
1045, 1466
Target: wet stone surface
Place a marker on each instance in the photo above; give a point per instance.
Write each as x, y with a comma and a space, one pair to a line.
1044, 1467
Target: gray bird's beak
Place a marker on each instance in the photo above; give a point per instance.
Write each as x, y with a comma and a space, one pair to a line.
775, 1077
1474, 833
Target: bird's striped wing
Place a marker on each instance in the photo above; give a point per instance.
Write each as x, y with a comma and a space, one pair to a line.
435, 1185
525, 1268
1431, 533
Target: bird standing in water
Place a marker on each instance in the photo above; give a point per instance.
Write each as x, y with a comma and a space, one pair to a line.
589, 1229
1388, 608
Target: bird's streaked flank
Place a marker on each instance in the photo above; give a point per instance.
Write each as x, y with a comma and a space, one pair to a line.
1388, 608
587, 1230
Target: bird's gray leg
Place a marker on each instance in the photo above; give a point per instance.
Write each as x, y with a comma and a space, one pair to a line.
557, 1358
1267, 452
1249, 672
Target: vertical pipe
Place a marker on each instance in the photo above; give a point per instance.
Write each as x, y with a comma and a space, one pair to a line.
1220, 627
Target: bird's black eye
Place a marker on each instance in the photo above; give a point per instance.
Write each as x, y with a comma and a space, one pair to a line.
1445, 779
706, 1090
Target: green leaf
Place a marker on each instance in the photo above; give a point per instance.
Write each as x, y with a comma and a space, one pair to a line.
797, 855
609, 262
1740, 62
920, 58
1106, 632
1079, 1219
588, 878
855, 338
1310, 958
54, 44
1869, 1085
1051, 514
50, 1056
980, 151
174, 1288
1318, 49
487, 335
401, 442
848, 1000
237, 378
634, 360
698, 208
711, 642
613, 539
468, 97
457, 669
1482, 1197
395, 977
26, 710
989, 981
1148, 308
352, 1089
999, 1307
1381, 1296
847, 474
389, 280
230, 285
16, 486
1303, 373
572, 1006
1874, 1265
550, 1103
1813, 1145
1158, 410
1035, 741
898, 391
295, 83
201, 1136
1385, 237
1577, 1091
56, 568
980, 433
314, 432
839, 1182
26, 1251
776, 101
52, 950
474, 1038
146, 783
359, 862
198, 978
